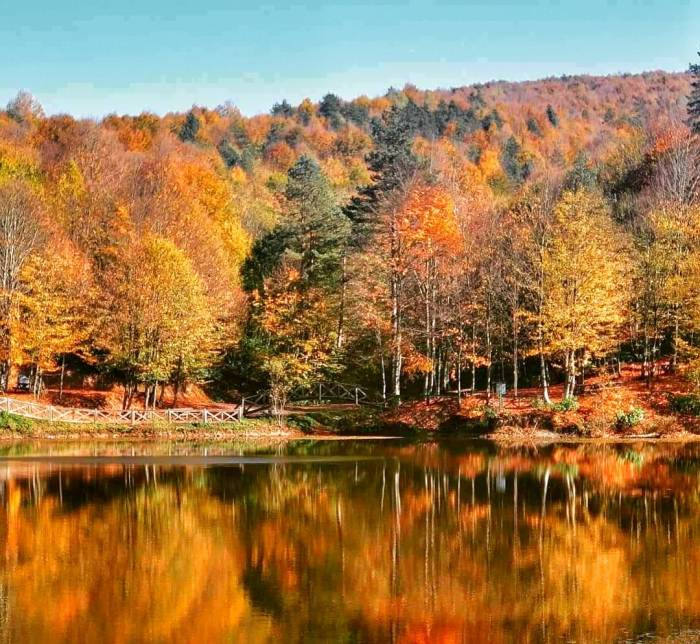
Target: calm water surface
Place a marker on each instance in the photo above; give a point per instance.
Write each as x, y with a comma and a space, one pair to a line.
366, 541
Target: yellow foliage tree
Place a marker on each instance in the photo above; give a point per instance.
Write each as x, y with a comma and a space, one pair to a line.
584, 282
54, 319
157, 325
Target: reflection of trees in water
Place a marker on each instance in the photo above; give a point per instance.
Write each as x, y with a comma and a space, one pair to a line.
434, 542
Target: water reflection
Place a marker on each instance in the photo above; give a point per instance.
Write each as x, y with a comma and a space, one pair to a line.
351, 542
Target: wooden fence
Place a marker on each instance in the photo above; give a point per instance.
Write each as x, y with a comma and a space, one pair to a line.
52, 413
253, 406
318, 394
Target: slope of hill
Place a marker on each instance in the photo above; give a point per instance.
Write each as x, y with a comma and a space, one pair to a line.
135, 230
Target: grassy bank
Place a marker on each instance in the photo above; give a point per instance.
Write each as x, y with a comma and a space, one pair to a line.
18, 427
623, 409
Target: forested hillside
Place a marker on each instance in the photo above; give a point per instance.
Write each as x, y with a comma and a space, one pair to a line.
415, 242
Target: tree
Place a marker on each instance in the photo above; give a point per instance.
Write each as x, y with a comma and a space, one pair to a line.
694, 99
297, 274
311, 237
430, 239
529, 236
21, 212
375, 212
583, 283
296, 349
515, 163
54, 317
282, 109
24, 108
190, 128
330, 107
581, 175
156, 323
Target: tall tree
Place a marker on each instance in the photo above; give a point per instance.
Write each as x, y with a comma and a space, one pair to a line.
694, 99
156, 324
297, 274
54, 312
583, 283
190, 128
375, 214
21, 213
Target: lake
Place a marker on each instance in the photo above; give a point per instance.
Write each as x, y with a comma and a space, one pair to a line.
349, 541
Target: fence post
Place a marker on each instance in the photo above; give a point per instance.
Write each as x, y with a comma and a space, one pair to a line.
7, 405
204, 416
50, 413
357, 397
241, 409
320, 396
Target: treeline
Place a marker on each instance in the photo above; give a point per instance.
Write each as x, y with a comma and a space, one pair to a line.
420, 240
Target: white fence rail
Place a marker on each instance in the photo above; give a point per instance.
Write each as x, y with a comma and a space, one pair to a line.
251, 407
52, 413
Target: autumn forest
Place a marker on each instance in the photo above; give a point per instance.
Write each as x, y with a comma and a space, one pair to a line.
415, 243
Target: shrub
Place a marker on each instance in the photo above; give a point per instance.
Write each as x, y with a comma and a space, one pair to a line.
489, 415
685, 403
14, 423
625, 420
567, 404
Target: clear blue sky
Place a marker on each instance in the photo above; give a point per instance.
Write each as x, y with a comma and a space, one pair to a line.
92, 57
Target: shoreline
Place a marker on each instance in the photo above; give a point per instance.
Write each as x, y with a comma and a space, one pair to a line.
285, 435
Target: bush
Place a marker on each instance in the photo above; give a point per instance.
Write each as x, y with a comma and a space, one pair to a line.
567, 404
685, 403
14, 423
489, 412
625, 420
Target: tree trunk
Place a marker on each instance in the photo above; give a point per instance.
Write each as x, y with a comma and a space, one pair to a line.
383, 379
459, 375
473, 383
570, 374
177, 381
515, 340
341, 313
676, 324
489, 350
63, 371
396, 338
515, 359
427, 378
544, 378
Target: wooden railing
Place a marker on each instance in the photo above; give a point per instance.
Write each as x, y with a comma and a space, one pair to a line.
52, 413
253, 406
318, 394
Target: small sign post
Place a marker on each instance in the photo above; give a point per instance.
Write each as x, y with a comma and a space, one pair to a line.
501, 391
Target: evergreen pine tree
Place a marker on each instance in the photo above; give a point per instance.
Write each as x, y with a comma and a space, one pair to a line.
190, 128
694, 99
516, 167
391, 163
317, 228
312, 235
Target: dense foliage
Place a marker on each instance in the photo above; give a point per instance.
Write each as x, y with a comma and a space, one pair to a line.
519, 232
